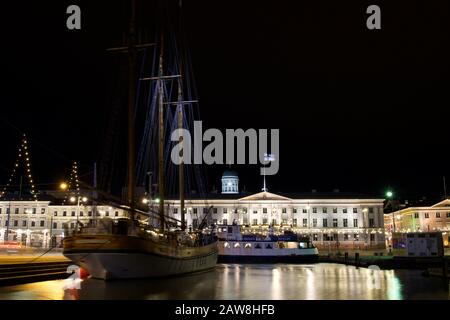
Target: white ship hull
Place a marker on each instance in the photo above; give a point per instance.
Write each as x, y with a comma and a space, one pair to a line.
247, 255
126, 257
140, 265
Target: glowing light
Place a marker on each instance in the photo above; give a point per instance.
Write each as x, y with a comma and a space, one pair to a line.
63, 186
73, 199
389, 194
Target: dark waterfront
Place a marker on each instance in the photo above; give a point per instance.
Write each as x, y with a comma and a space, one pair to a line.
321, 281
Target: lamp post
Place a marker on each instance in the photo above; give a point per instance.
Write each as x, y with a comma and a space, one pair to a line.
78, 199
389, 195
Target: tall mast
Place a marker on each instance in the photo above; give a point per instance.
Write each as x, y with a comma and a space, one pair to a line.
131, 105
161, 135
180, 122
181, 167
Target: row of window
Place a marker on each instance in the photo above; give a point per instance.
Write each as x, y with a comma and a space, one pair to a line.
346, 237
427, 215
81, 213
304, 224
283, 210
41, 223
315, 237
15, 223
26, 210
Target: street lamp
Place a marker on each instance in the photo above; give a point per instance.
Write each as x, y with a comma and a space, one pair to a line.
78, 199
389, 195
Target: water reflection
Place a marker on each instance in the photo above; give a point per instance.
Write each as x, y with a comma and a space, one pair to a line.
293, 282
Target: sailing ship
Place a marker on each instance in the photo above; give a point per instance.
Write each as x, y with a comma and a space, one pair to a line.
129, 248
238, 247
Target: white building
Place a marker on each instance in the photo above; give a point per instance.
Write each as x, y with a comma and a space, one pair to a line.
420, 219
332, 220
38, 223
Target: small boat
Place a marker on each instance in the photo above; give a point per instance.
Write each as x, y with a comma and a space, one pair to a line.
236, 247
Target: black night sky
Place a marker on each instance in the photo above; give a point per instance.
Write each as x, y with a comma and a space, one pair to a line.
358, 109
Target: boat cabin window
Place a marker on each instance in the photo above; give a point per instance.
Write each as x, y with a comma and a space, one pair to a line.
237, 245
248, 245
226, 245
258, 246
230, 229
269, 246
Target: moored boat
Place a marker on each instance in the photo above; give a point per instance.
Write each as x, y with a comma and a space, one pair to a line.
238, 247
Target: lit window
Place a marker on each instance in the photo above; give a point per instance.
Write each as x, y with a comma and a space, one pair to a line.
226, 245
237, 245
248, 246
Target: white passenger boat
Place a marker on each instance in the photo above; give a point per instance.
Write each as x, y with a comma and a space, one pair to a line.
238, 247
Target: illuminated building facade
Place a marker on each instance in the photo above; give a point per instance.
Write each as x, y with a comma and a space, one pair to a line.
39, 223
332, 220
420, 219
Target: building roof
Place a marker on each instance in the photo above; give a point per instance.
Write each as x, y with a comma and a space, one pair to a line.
229, 173
278, 196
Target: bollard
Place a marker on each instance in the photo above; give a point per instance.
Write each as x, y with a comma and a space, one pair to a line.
346, 258
357, 259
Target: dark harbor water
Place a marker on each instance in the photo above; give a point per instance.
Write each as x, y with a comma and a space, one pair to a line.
321, 281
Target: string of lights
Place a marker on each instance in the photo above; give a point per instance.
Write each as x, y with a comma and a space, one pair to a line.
23, 156
73, 184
